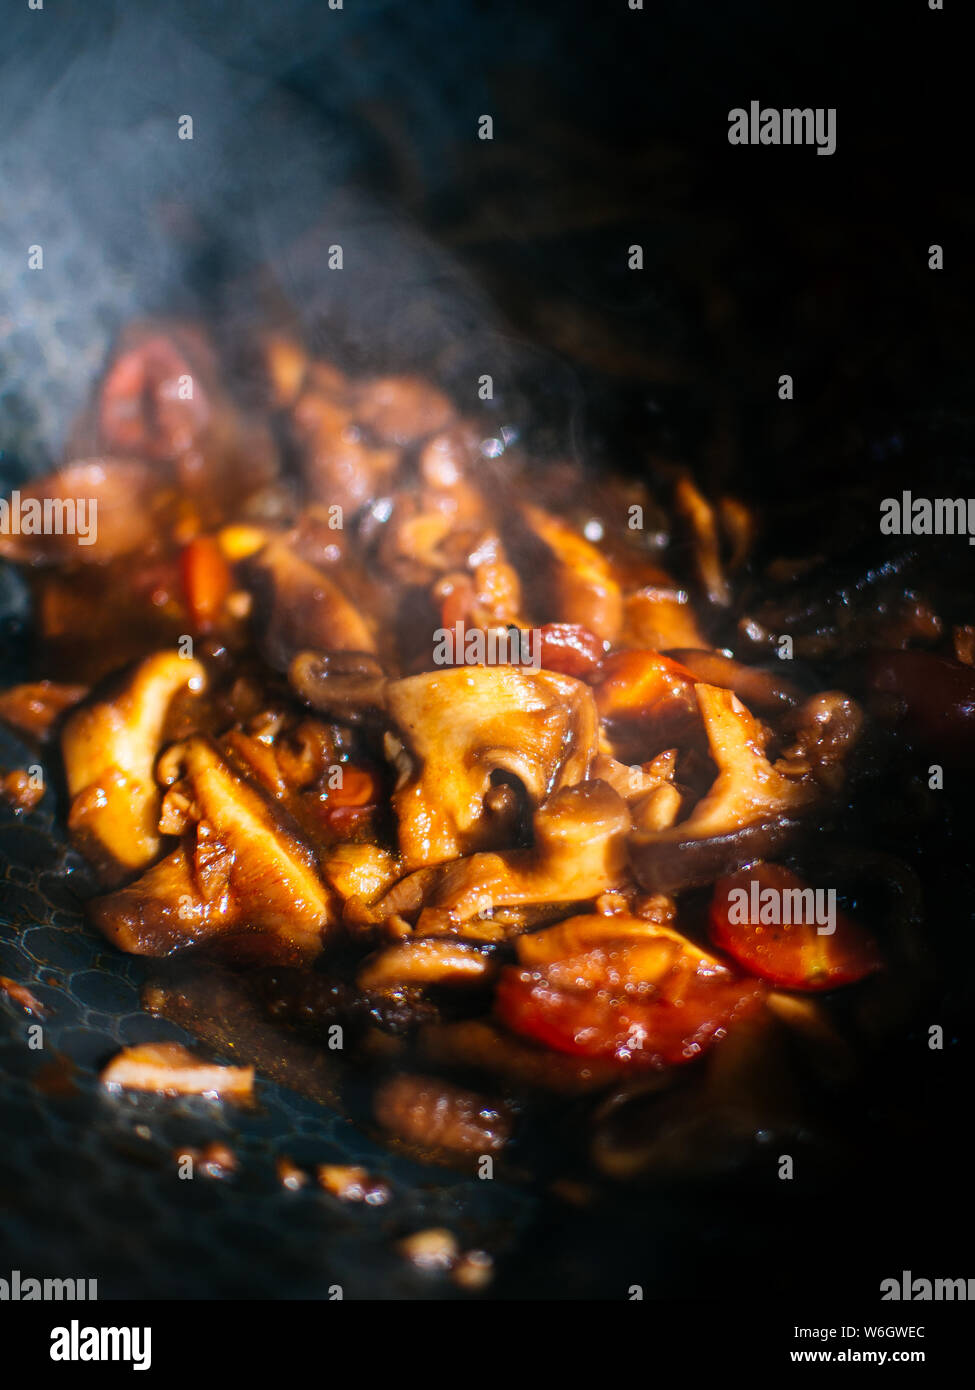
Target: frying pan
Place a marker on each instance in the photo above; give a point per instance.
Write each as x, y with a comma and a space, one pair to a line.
358, 127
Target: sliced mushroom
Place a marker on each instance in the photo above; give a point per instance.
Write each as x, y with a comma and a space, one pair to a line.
248, 874
660, 616
425, 961
635, 781
299, 606
85, 513
758, 689
584, 588
163, 910
350, 686
463, 727
109, 748
750, 810
431, 1113
700, 518
172, 1070
579, 852
360, 871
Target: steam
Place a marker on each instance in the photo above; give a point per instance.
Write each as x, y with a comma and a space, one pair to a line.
235, 223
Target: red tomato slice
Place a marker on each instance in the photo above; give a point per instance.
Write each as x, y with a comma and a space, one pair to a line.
795, 956
646, 997
206, 581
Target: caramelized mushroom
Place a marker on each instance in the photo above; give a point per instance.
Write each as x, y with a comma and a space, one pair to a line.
85, 513
584, 588
750, 810
173, 1070
464, 726
109, 748
430, 1113
299, 606
247, 873
579, 852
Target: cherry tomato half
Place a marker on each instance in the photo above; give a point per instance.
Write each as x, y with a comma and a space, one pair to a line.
631, 991
748, 913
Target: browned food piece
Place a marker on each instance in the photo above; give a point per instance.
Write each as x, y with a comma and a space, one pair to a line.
659, 617
825, 729
350, 686
115, 516
248, 875
433, 1114
750, 809
462, 728
584, 588
34, 708
434, 1250
963, 641
757, 689
162, 400
579, 851
171, 1069
350, 1183
339, 467
163, 910
401, 409
109, 747
699, 515
633, 781
245, 879
646, 703
298, 606
21, 995
361, 871
425, 961
738, 525
20, 790
473, 1270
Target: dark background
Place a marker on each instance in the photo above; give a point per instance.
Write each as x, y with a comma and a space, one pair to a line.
359, 126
